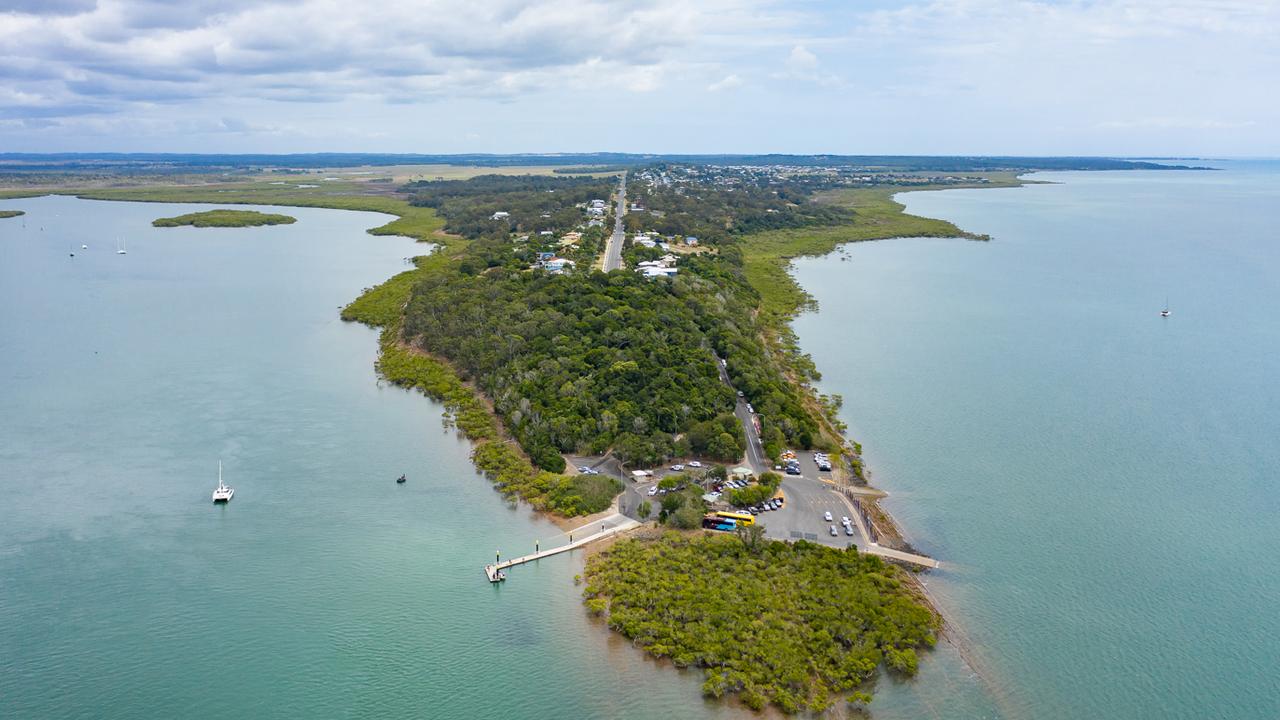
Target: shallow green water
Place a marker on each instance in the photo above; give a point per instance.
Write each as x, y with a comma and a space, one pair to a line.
323, 590
1101, 481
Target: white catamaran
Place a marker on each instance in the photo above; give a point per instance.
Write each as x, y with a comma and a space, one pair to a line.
223, 493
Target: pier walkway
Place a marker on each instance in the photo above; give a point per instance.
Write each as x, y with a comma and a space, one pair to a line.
611, 525
871, 547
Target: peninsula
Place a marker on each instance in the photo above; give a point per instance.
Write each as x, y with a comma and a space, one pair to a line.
670, 390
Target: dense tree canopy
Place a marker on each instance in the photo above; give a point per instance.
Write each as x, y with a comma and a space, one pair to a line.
532, 202
793, 625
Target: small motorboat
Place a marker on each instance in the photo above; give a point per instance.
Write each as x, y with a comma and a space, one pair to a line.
401, 480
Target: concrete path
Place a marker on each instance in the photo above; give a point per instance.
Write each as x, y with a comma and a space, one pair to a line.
873, 548
611, 525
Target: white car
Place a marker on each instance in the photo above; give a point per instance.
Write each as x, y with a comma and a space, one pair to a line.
844, 519
694, 463
653, 491
827, 516
677, 468
751, 409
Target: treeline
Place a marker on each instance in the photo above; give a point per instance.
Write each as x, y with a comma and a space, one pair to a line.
714, 214
533, 202
797, 626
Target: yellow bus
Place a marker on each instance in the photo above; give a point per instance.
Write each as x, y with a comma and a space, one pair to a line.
742, 518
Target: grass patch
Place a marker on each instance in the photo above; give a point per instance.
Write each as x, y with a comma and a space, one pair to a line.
11, 213
797, 626
225, 218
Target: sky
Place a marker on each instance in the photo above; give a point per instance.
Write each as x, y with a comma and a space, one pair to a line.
1172, 78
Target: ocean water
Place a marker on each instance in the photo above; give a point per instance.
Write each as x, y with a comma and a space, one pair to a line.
1102, 483
323, 590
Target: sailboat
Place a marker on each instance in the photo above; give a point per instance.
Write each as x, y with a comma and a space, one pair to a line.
1165, 311
222, 493
120, 248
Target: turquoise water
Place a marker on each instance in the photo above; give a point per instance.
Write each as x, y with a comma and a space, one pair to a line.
323, 590
1101, 481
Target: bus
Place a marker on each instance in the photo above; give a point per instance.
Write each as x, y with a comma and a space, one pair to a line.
711, 522
741, 517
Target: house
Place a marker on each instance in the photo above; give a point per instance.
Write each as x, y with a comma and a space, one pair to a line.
653, 272
500, 215
546, 232
545, 256
691, 240
595, 223
557, 265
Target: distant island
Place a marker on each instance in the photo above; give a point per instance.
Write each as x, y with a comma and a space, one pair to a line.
10, 213
225, 218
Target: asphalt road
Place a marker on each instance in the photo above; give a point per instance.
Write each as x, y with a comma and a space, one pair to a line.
613, 248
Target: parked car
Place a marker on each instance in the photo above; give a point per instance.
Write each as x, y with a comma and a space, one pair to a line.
751, 409
677, 467
833, 531
741, 394
844, 519
848, 530
653, 491
695, 464
827, 516
584, 469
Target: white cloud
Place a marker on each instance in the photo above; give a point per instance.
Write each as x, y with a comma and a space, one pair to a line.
728, 82
801, 61
922, 76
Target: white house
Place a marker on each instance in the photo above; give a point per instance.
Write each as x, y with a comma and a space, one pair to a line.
501, 215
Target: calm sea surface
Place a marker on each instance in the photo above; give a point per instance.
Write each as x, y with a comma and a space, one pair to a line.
1101, 481
323, 590
1104, 483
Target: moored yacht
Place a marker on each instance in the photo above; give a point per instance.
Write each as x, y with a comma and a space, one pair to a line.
222, 493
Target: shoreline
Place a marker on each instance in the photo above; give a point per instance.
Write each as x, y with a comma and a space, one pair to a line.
444, 244
951, 632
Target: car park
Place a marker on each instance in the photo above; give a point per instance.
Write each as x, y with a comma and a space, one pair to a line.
827, 516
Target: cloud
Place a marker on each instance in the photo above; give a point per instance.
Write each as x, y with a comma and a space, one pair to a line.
728, 82
139, 50
803, 65
801, 61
